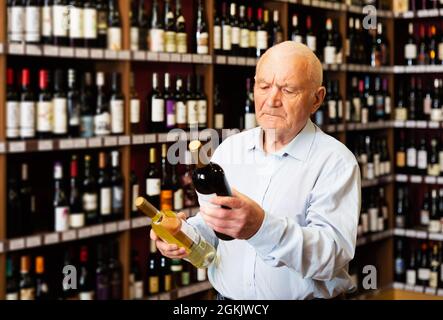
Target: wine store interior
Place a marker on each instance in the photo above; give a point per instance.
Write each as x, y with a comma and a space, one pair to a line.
90, 92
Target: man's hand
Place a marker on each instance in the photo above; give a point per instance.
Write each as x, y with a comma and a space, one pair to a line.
241, 222
171, 251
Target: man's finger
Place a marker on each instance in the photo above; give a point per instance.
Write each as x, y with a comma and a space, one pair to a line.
153, 235
218, 213
182, 215
229, 202
218, 222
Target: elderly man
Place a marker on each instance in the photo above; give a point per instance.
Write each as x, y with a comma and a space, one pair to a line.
296, 201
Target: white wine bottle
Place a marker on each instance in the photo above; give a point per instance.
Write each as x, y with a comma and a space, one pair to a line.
174, 230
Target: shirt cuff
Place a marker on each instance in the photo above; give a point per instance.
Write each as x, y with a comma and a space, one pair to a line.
268, 235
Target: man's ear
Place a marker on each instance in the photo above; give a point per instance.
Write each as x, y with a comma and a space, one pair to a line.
319, 96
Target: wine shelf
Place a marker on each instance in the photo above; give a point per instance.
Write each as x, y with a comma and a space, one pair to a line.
377, 181
369, 126
419, 179
418, 289
418, 234
429, 13
182, 292
371, 238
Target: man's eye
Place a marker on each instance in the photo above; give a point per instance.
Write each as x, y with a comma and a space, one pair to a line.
264, 87
288, 91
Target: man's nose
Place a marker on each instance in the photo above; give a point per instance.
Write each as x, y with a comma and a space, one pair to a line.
274, 98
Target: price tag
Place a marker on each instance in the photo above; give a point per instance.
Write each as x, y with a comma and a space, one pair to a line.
360, 126
81, 53
440, 180
97, 230
399, 124
124, 55
331, 128
165, 57
408, 14
187, 58
411, 233
436, 236
434, 125
16, 244
84, 233
241, 61
251, 62
430, 290
399, 285
232, 60
340, 128
33, 50
220, 60
152, 56
440, 291
138, 139
66, 52
422, 124
110, 54
175, 57
15, 48
69, 235
124, 225
124, 140
139, 55
66, 144
110, 141
164, 296
431, 180
418, 288
207, 59
416, 179
17, 147
95, 142
111, 227
2, 247
162, 137
421, 234
197, 58
80, 143
138, 223
409, 287
45, 145
399, 232
51, 238
50, 50
97, 53
410, 124
34, 241
150, 138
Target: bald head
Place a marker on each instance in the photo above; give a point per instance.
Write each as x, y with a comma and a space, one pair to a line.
293, 54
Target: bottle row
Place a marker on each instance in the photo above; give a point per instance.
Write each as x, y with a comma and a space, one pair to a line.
374, 212
426, 48
55, 110
98, 24
414, 5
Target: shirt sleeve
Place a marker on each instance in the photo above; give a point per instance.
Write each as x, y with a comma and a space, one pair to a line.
327, 243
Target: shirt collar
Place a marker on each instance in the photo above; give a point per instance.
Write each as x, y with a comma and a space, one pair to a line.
297, 148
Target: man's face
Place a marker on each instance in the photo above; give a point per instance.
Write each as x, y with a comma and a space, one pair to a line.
284, 96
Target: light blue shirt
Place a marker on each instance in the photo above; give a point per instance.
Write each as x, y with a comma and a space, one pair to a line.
310, 192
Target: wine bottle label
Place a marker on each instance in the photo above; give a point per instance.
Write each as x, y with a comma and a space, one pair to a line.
170, 114
364, 115
434, 226
387, 167
158, 110
370, 100
135, 111
297, 38
117, 198
376, 165
32, 33
356, 103
385, 212
135, 194
332, 109
102, 124
250, 121
135, 38
440, 160
12, 119
102, 22
27, 119
348, 47
204, 200
86, 126
311, 42
156, 40
262, 40
380, 224
411, 277
167, 282
89, 201
182, 42
114, 38
202, 112
427, 105
60, 106
117, 116
410, 51
411, 155
422, 157
433, 279
401, 114
77, 220
400, 221
424, 274
178, 200
373, 219
340, 109
202, 43
74, 113
181, 113
76, 23
219, 121
201, 274
17, 23
105, 201
244, 38
434, 169
153, 187
388, 105
192, 109
217, 37
401, 159
227, 40
61, 219
12, 296
47, 21
60, 23
90, 24
166, 200
170, 45
86, 295
154, 284
330, 54
436, 115
27, 294
190, 232
186, 278
399, 266
365, 222
138, 290
440, 51
235, 40
44, 116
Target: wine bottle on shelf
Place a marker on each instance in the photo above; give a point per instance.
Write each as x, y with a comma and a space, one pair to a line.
425, 211
170, 31
434, 214
152, 178
262, 34
400, 263
135, 188
33, 21
104, 188
422, 55
218, 112
410, 47
74, 104
27, 108
174, 230
157, 119
90, 198
250, 121
102, 24
435, 267
87, 108
41, 285
102, 275
135, 24
60, 23
423, 266
27, 202
76, 213
12, 286
61, 205
169, 97
422, 158
400, 215
330, 49
252, 34
76, 21
209, 179
296, 34
277, 31
114, 32
18, 22
166, 274
189, 195
191, 104
117, 105
136, 290
134, 107
102, 118
176, 270
46, 22
433, 161
244, 31
156, 30
180, 105
226, 31
117, 204
85, 281
177, 190
12, 107
115, 271
411, 270
44, 107
27, 283
60, 105
202, 107
166, 193
217, 32
202, 33
90, 25
181, 35
153, 270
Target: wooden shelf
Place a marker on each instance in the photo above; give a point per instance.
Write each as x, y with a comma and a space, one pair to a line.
416, 292
182, 292
371, 238
430, 180
377, 181
417, 124
418, 233
430, 13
